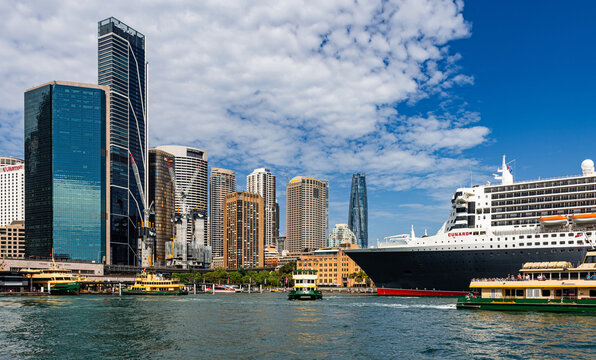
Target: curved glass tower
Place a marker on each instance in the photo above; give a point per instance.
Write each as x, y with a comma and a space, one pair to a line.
358, 216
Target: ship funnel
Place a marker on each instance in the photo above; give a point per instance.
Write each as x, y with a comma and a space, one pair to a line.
587, 167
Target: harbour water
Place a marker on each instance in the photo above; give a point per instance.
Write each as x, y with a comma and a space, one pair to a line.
259, 326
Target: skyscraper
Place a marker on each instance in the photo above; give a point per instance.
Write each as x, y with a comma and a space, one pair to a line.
340, 234
262, 182
161, 194
12, 190
307, 213
122, 66
187, 160
358, 216
243, 231
222, 182
65, 171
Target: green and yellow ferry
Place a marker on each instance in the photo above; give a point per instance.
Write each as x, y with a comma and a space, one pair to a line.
60, 281
154, 284
305, 286
542, 286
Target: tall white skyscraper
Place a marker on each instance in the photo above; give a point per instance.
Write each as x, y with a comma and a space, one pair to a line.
187, 161
262, 182
12, 190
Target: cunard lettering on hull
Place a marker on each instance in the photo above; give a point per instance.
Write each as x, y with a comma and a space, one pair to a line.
491, 228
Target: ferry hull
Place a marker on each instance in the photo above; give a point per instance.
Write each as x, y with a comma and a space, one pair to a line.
448, 273
566, 305
73, 288
305, 295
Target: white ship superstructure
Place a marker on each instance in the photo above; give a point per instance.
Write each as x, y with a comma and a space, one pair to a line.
556, 213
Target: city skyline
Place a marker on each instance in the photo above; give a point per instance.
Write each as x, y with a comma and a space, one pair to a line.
461, 111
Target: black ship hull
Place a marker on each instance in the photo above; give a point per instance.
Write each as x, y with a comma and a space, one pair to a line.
440, 272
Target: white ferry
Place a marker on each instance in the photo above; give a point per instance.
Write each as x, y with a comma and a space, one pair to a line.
491, 229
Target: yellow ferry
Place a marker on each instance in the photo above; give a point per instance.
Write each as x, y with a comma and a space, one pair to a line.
61, 281
155, 284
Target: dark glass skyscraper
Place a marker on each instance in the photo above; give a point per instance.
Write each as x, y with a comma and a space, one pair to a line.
65, 171
358, 217
122, 66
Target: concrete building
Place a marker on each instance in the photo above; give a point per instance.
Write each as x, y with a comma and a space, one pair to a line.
12, 190
161, 194
122, 66
187, 161
262, 182
358, 215
244, 231
307, 214
340, 234
12, 240
332, 264
222, 182
66, 171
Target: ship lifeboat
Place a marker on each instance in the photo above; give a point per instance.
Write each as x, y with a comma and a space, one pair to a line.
584, 218
553, 220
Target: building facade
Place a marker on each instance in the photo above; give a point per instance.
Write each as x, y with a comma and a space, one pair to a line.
191, 162
12, 240
12, 190
332, 264
340, 234
307, 214
222, 182
122, 66
358, 216
244, 231
66, 193
262, 182
161, 194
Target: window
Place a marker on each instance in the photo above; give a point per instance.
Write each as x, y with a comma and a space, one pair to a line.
532, 293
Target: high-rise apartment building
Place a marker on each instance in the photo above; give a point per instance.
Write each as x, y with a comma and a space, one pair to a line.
307, 213
12, 240
244, 226
122, 66
358, 216
222, 182
161, 194
341, 234
262, 182
66, 192
187, 162
12, 190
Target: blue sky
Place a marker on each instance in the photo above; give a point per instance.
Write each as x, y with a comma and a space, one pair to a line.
422, 96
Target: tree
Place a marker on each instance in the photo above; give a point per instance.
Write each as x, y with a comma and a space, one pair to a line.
288, 268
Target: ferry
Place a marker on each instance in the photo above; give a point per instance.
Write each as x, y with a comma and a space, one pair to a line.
491, 229
539, 286
154, 284
305, 286
61, 281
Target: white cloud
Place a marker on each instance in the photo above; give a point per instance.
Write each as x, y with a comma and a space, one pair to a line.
301, 87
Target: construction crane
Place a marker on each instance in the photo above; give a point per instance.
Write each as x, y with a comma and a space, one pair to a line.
180, 252
146, 232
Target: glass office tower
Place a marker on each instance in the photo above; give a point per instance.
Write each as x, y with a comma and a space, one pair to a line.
122, 66
358, 216
65, 171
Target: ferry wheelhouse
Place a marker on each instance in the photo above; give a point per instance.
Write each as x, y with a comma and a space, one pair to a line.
305, 286
154, 284
491, 228
539, 286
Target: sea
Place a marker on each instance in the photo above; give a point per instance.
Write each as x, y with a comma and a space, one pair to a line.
268, 326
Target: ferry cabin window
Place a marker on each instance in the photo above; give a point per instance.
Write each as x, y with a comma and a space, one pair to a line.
545, 293
532, 293
519, 292
590, 259
592, 293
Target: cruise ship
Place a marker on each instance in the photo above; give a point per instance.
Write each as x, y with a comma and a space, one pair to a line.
492, 229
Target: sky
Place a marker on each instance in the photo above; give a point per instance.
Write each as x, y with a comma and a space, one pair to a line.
421, 96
